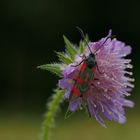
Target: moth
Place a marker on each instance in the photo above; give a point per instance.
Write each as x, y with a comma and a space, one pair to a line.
86, 77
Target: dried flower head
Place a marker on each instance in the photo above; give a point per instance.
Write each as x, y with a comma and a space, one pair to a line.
101, 86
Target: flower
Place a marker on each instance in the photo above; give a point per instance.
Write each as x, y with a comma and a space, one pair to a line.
111, 80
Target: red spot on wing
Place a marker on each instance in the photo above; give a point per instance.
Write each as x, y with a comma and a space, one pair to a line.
79, 80
83, 67
94, 69
86, 94
75, 90
90, 83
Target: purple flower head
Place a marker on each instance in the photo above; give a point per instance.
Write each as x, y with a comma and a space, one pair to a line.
102, 87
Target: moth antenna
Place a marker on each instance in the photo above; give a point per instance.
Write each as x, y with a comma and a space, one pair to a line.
111, 37
83, 36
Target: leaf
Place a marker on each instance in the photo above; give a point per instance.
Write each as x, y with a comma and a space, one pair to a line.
70, 49
83, 44
53, 68
64, 58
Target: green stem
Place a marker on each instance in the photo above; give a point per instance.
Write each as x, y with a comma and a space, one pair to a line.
50, 114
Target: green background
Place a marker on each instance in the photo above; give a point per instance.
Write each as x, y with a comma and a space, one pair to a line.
30, 32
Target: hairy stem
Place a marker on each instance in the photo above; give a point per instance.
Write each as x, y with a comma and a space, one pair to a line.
51, 112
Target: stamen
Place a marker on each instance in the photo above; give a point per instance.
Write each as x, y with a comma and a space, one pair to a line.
109, 112
101, 106
93, 104
125, 93
98, 83
130, 85
130, 73
129, 79
127, 60
108, 97
129, 66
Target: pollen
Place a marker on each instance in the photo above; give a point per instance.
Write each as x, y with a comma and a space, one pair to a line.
79, 80
69, 81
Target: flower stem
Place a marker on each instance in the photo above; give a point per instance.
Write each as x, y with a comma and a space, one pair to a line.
50, 114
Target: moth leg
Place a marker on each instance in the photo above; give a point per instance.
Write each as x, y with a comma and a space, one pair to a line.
93, 86
92, 82
78, 64
96, 79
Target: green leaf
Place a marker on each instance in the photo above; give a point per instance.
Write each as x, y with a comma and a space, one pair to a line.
83, 44
87, 37
64, 58
54, 68
70, 49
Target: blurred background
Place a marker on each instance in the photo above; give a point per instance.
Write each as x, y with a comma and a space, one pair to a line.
30, 32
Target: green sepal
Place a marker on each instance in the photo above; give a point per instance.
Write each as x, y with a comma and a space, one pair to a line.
82, 47
83, 44
54, 68
70, 48
64, 58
